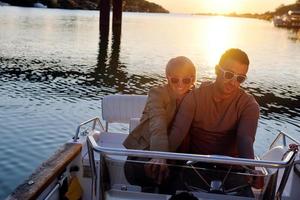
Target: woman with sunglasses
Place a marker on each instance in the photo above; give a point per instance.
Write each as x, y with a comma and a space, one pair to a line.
152, 132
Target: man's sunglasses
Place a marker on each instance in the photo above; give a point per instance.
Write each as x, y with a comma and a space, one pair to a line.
228, 75
186, 80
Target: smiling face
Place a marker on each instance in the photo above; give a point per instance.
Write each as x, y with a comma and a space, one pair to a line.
180, 73
180, 81
227, 87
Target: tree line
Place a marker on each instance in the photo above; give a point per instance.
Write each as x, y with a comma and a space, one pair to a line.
128, 5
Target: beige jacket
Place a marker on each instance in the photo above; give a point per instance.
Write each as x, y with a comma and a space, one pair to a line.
152, 132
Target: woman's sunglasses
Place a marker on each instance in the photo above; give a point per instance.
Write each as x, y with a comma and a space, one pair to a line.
186, 80
228, 75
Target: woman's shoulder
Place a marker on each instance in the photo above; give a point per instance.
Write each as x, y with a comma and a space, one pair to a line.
159, 88
162, 91
158, 95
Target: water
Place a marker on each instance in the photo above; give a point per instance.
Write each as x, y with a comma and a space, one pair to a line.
54, 71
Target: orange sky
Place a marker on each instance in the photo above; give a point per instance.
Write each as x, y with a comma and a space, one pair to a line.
221, 6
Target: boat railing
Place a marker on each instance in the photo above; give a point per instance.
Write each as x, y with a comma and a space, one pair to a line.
283, 137
95, 121
192, 157
286, 162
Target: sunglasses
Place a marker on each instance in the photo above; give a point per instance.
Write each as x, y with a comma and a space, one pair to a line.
228, 75
186, 80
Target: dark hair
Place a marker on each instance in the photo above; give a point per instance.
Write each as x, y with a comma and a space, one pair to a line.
235, 54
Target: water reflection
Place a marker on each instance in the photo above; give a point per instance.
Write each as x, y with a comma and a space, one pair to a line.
111, 73
294, 35
215, 42
110, 76
273, 104
55, 67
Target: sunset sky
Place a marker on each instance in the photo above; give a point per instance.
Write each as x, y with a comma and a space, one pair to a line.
221, 6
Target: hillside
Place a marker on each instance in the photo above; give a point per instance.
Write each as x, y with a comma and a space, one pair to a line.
283, 9
128, 5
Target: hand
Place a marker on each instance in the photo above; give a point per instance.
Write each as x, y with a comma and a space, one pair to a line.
157, 170
294, 147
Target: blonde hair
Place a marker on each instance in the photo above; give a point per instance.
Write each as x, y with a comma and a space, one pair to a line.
180, 62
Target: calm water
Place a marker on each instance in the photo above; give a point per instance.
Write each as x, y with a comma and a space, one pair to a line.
54, 70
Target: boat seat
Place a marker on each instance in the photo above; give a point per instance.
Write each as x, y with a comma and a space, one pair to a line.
123, 109
119, 109
134, 122
275, 154
114, 163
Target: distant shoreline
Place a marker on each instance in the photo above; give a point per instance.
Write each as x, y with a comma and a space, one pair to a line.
283, 9
266, 16
148, 7
128, 5
197, 14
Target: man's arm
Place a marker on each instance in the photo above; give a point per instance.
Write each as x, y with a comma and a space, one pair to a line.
245, 139
247, 129
182, 121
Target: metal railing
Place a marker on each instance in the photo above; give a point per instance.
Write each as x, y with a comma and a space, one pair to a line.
95, 121
193, 157
286, 163
93, 147
282, 135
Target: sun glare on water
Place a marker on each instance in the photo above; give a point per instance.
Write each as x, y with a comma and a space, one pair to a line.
218, 36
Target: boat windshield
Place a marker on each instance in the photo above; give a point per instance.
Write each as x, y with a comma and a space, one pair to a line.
202, 180
130, 173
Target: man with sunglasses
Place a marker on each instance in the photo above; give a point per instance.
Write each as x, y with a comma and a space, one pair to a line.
219, 117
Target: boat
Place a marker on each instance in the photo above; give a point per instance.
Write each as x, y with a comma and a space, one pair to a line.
280, 21
290, 20
294, 18
90, 165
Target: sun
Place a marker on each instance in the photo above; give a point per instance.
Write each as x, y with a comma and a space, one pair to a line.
219, 37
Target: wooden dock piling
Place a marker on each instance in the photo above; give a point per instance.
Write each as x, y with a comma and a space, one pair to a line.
104, 6
117, 12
